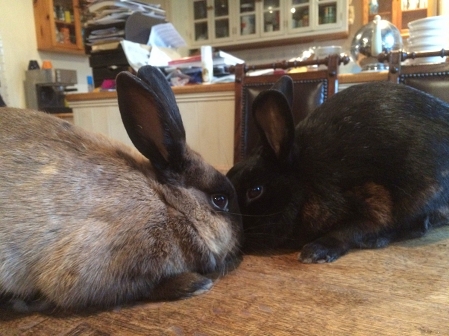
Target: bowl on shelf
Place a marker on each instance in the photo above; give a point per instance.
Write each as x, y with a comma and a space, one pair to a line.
431, 22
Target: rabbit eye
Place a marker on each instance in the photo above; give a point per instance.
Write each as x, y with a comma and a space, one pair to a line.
254, 193
220, 201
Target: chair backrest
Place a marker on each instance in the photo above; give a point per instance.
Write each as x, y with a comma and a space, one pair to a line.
432, 78
311, 88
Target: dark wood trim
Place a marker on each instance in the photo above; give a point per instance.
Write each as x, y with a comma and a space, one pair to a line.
282, 42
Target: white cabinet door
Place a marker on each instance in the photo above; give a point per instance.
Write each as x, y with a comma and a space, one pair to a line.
331, 15
248, 26
259, 19
272, 14
299, 16
211, 20
312, 17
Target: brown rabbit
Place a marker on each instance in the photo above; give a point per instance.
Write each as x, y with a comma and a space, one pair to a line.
86, 221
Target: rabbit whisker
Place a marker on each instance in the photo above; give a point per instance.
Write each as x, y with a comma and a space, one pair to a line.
261, 216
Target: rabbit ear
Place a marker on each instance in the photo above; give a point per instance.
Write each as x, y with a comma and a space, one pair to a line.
151, 117
285, 86
273, 117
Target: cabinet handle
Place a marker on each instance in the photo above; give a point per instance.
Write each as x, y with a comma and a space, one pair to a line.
210, 7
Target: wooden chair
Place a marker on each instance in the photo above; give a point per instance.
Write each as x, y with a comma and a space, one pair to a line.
311, 89
427, 77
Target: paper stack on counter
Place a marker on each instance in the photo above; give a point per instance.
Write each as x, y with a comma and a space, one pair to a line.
157, 49
107, 21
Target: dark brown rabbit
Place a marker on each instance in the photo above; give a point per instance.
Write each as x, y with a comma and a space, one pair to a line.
86, 221
369, 166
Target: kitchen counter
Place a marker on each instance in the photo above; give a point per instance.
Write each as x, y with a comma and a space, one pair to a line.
179, 90
347, 78
207, 112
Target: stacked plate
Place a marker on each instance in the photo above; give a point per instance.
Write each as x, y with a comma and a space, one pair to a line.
429, 34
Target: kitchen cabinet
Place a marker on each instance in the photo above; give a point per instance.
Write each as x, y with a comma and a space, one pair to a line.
211, 21
259, 19
207, 113
399, 12
58, 26
224, 23
321, 15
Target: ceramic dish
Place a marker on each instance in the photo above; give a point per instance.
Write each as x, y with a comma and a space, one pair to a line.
432, 22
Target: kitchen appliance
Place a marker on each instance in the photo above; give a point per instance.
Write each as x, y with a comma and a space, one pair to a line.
45, 89
372, 39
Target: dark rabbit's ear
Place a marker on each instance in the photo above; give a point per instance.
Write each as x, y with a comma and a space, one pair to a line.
151, 117
285, 85
274, 119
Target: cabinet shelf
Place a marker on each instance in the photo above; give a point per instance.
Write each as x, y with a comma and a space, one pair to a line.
417, 10
64, 23
382, 14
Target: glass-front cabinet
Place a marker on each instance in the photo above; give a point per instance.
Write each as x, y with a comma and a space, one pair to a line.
272, 16
306, 15
299, 16
228, 22
259, 18
399, 12
211, 21
248, 19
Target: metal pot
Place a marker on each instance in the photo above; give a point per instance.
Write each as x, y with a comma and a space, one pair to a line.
373, 38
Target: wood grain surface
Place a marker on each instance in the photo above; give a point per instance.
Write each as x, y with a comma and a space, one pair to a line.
399, 290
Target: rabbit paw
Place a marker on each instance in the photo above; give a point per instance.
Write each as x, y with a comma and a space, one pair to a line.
316, 252
22, 306
183, 285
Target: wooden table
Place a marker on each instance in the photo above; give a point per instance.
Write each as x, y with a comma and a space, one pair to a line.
399, 290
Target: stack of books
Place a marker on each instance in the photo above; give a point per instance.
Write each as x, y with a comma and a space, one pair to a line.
220, 59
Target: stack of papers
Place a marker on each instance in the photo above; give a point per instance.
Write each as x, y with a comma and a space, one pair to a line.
106, 27
105, 39
112, 11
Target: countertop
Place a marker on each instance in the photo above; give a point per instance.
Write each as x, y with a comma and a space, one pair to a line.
208, 88
179, 90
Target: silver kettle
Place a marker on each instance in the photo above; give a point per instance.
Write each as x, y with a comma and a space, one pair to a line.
373, 38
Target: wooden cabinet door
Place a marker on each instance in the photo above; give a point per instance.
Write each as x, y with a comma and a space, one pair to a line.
58, 26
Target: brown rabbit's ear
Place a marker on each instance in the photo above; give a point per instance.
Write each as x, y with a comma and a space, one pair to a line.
151, 117
274, 119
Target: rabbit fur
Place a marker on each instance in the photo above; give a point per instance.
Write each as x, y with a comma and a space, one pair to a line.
367, 167
87, 221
